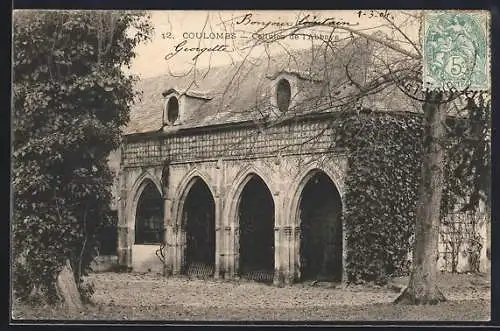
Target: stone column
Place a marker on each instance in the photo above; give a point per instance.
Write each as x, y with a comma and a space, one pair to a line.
227, 233
124, 250
233, 251
287, 254
278, 272
295, 267
279, 245
175, 237
219, 240
169, 237
288, 244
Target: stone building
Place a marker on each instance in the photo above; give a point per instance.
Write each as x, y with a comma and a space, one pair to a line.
232, 169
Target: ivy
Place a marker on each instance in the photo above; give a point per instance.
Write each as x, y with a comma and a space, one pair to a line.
381, 191
382, 186
70, 100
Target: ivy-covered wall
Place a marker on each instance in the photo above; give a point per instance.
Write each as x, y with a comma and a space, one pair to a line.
381, 192
382, 187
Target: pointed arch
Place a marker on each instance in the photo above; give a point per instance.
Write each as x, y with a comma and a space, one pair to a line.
147, 210
301, 181
254, 258
316, 209
197, 223
139, 185
238, 184
183, 189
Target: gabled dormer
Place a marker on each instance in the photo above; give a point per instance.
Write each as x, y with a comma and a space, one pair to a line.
179, 106
288, 87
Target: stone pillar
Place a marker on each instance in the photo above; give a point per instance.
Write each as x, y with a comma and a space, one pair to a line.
124, 251
234, 251
295, 267
219, 240
288, 254
227, 233
169, 238
288, 242
176, 241
278, 272
177, 246
279, 238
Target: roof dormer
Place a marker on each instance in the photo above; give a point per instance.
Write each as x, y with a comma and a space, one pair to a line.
288, 87
177, 106
171, 107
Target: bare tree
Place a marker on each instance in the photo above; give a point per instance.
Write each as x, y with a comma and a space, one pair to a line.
373, 63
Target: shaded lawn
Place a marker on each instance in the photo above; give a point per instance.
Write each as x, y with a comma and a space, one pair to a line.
124, 297
470, 310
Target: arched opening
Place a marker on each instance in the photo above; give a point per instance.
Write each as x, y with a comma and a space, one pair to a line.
149, 227
256, 226
283, 95
320, 213
199, 224
172, 110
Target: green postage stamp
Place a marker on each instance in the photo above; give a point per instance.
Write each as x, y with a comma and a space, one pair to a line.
456, 50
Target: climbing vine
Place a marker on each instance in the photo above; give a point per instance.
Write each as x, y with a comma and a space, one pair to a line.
381, 192
70, 99
382, 185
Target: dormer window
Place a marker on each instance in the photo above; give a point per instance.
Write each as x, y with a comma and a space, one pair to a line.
283, 95
172, 110
179, 107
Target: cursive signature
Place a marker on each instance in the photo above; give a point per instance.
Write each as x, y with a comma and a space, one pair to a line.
308, 20
181, 47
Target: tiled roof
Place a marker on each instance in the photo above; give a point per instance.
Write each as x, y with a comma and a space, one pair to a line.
240, 91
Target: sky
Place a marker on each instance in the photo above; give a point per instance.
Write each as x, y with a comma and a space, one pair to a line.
227, 36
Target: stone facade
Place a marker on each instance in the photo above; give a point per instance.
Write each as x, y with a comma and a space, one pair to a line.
225, 169
232, 134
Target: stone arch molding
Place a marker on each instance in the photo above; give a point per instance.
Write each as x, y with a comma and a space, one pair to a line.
139, 185
238, 184
301, 181
183, 189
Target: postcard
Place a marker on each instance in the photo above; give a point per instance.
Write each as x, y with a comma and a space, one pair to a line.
251, 165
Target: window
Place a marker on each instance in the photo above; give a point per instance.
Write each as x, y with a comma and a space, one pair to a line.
172, 110
149, 216
283, 95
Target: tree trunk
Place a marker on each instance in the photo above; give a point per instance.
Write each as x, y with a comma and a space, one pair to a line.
67, 289
422, 288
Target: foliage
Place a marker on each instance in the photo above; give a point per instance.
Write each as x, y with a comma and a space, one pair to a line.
70, 99
382, 185
468, 180
381, 192
469, 162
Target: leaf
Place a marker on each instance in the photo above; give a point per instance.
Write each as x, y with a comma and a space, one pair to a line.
56, 120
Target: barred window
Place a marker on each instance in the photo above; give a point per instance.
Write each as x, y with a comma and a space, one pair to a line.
149, 216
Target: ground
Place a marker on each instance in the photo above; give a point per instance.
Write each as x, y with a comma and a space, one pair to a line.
149, 297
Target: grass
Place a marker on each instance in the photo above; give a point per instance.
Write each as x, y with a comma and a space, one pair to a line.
470, 310
124, 297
